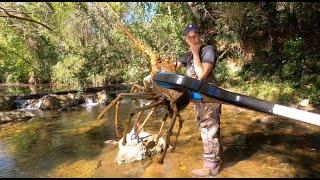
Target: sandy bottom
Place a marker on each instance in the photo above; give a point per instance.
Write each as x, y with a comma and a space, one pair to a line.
255, 145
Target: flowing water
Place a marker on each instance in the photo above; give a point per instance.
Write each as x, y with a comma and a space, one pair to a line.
71, 144
41, 146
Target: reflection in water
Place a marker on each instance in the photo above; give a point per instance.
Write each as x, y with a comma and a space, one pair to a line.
71, 144
41, 146
7, 164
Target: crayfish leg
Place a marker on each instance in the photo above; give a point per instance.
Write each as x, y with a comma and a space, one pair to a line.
169, 132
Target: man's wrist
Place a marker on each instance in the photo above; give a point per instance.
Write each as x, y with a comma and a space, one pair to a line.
196, 59
195, 54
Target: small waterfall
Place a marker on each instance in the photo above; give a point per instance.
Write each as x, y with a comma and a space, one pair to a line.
29, 103
21, 104
90, 102
37, 105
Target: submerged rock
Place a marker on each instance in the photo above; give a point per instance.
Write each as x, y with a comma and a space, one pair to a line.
15, 116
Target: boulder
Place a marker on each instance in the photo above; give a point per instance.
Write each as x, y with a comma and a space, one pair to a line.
50, 102
54, 102
7, 103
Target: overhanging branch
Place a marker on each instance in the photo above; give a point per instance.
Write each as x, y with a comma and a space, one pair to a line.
25, 60
8, 15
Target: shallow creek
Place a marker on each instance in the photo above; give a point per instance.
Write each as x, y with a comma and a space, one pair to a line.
71, 144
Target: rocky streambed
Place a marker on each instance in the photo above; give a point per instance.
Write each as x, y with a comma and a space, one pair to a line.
16, 110
71, 144
15, 116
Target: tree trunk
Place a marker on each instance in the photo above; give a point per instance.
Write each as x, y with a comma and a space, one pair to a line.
195, 12
32, 79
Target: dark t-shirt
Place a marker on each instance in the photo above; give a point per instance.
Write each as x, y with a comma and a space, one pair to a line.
206, 56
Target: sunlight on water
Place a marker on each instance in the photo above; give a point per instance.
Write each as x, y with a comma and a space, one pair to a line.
71, 144
44, 146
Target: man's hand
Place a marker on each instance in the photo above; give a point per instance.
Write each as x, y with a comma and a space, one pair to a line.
202, 69
195, 49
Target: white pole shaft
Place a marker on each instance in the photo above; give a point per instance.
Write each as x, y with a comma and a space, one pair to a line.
296, 114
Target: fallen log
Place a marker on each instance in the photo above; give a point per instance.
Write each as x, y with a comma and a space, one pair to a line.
114, 88
36, 96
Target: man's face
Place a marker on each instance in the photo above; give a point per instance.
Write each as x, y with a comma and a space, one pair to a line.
193, 38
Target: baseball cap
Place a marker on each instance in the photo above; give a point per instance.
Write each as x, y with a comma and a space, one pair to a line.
191, 27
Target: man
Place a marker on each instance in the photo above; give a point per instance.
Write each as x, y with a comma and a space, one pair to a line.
200, 62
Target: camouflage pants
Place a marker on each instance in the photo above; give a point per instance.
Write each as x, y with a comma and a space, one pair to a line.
208, 119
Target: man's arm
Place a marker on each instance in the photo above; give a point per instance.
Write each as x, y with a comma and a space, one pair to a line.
204, 68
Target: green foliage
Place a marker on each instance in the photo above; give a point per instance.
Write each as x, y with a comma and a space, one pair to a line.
135, 72
222, 72
85, 44
292, 49
314, 95
68, 70
293, 55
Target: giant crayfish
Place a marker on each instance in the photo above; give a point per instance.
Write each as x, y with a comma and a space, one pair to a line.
173, 100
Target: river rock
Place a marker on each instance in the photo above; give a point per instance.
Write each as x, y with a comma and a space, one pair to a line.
51, 102
54, 102
6, 103
15, 116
